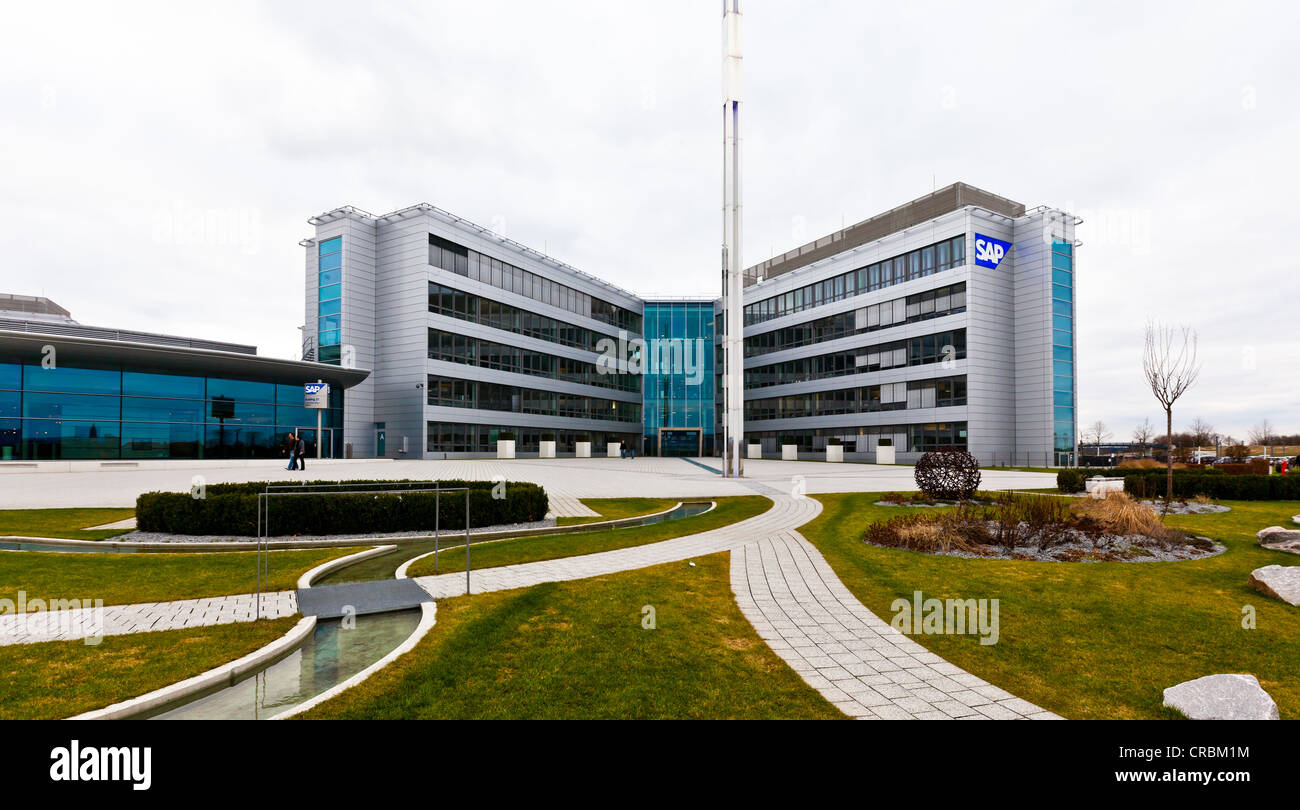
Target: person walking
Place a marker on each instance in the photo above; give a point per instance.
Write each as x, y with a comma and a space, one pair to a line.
301, 451
291, 450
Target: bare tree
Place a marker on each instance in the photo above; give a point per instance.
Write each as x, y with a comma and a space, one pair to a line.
1098, 432
1170, 364
1263, 435
1202, 432
1142, 436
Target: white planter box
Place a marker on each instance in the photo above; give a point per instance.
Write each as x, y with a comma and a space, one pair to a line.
884, 454
789, 452
546, 450
582, 449
1099, 487
613, 449
834, 452
754, 451
505, 448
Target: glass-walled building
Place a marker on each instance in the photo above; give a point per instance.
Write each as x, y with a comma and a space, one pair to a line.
65, 397
679, 378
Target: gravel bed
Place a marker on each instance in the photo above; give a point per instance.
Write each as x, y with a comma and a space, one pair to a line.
1187, 508
159, 537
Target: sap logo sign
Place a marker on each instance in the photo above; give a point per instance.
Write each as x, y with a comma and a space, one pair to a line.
989, 251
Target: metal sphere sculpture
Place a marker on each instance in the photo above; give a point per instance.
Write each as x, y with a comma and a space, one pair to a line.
948, 474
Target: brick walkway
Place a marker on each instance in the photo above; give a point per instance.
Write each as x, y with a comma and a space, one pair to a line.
116, 620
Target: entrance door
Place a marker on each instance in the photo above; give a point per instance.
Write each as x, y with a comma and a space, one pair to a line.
380, 442
681, 442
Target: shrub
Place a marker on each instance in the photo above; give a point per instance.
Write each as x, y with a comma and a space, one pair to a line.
231, 509
1070, 480
948, 473
1220, 486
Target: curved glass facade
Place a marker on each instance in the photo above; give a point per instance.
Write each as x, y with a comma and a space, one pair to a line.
69, 413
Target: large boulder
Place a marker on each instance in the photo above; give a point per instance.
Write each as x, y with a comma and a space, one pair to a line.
1222, 697
1277, 538
1278, 581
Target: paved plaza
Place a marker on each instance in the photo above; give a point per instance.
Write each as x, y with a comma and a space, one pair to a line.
87, 484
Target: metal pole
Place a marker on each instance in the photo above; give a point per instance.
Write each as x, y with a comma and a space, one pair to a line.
733, 421
318, 426
437, 521
467, 541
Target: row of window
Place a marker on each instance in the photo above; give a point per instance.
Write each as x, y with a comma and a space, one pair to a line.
457, 393
919, 438
454, 437
468, 307
329, 307
939, 393
907, 267
922, 350
456, 348
923, 306
79, 380
462, 261
66, 439
1063, 345
34, 405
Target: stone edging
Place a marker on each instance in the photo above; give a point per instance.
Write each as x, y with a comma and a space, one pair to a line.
226, 674
428, 618
329, 566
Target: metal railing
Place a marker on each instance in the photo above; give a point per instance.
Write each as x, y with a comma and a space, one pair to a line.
264, 498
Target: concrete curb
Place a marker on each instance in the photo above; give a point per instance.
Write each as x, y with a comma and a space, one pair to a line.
330, 566
226, 674
428, 618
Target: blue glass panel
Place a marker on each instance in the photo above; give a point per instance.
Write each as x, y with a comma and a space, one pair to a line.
1062, 246
73, 380
52, 439
1062, 353
1060, 262
331, 262
241, 390
1062, 292
331, 245
8, 404
328, 354
1062, 308
330, 307
289, 415
329, 323
11, 375
330, 277
70, 406
11, 431
1060, 338
162, 385
1063, 368
329, 339
1063, 322
1063, 413
330, 292
243, 413
143, 409
159, 440
1063, 398
1063, 384
1062, 277
242, 441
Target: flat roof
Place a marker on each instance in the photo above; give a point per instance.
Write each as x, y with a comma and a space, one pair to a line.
25, 346
922, 209
36, 304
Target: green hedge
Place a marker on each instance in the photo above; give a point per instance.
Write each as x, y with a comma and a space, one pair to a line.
232, 509
1215, 485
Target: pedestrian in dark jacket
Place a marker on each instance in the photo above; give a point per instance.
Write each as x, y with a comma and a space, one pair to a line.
301, 451
291, 450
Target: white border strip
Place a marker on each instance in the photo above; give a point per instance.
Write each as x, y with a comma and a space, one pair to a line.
428, 618
227, 674
329, 566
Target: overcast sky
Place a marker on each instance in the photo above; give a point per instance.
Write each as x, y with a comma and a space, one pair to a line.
158, 162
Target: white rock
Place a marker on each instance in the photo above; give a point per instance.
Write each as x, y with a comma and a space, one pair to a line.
1222, 697
1276, 538
1278, 581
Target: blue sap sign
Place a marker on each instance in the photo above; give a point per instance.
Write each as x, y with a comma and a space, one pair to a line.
989, 252
316, 395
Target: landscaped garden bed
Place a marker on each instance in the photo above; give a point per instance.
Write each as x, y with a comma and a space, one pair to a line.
1045, 528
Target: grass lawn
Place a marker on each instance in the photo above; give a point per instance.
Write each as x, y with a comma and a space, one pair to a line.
1099, 640
57, 679
578, 650
122, 579
618, 508
63, 523
550, 547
